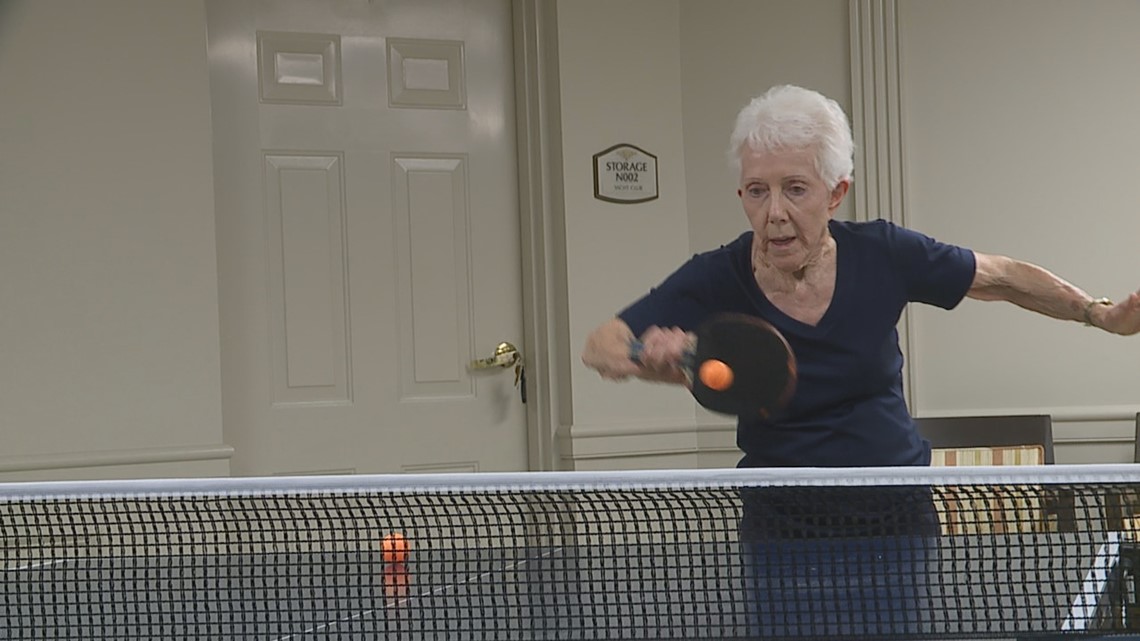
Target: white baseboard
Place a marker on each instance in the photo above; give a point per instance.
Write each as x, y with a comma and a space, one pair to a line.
105, 458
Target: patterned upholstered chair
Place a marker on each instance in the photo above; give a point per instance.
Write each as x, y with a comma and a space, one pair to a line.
996, 440
990, 440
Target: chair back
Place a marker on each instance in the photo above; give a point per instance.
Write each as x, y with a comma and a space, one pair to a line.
991, 440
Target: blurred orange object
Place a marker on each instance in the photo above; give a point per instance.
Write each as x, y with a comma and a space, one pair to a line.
394, 548
397, 583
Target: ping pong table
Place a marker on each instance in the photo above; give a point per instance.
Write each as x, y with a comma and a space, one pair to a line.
556, 593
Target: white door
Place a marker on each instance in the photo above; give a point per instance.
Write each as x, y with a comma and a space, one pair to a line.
368, 234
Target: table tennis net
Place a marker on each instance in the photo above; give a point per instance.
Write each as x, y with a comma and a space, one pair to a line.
732, 554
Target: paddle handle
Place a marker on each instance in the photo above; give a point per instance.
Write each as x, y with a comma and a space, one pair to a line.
687, 363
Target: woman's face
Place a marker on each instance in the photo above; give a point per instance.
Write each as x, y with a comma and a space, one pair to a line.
788, 205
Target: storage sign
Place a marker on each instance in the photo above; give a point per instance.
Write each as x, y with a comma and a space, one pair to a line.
625, 174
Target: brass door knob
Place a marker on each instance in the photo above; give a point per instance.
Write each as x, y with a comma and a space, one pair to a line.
505, 355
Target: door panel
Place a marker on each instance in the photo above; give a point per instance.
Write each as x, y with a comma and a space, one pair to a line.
368, 234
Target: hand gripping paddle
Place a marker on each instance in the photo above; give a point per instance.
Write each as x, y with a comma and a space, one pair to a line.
740, 365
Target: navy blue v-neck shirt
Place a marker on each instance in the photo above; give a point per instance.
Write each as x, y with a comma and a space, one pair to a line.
848, 408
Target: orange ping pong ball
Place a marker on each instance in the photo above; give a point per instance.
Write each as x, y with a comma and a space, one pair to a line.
394, 548
716, 375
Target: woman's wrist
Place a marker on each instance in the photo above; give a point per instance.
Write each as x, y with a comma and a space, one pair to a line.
1101, 302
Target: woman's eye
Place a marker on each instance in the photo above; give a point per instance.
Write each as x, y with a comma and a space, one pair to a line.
756, 192
797, 190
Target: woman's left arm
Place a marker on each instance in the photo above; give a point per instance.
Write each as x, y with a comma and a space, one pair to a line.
1039, 290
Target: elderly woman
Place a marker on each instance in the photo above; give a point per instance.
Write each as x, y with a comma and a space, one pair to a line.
836, 291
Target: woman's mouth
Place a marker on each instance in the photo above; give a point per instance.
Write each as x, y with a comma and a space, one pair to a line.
782, 241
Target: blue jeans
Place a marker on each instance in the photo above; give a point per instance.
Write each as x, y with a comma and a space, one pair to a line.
838, 587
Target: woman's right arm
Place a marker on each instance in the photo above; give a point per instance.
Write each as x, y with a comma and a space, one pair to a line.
607, 352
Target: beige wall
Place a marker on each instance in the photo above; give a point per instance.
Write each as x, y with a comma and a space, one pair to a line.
1020, 139
110, 318
732, 51
620, 83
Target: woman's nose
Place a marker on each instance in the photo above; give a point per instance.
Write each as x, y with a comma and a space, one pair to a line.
776, 209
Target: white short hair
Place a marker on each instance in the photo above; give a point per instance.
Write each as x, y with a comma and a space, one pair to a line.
790, 117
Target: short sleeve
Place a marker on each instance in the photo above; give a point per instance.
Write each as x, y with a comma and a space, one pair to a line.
681, 300
934, 273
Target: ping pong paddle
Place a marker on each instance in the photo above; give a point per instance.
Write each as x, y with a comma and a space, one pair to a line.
741, 365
